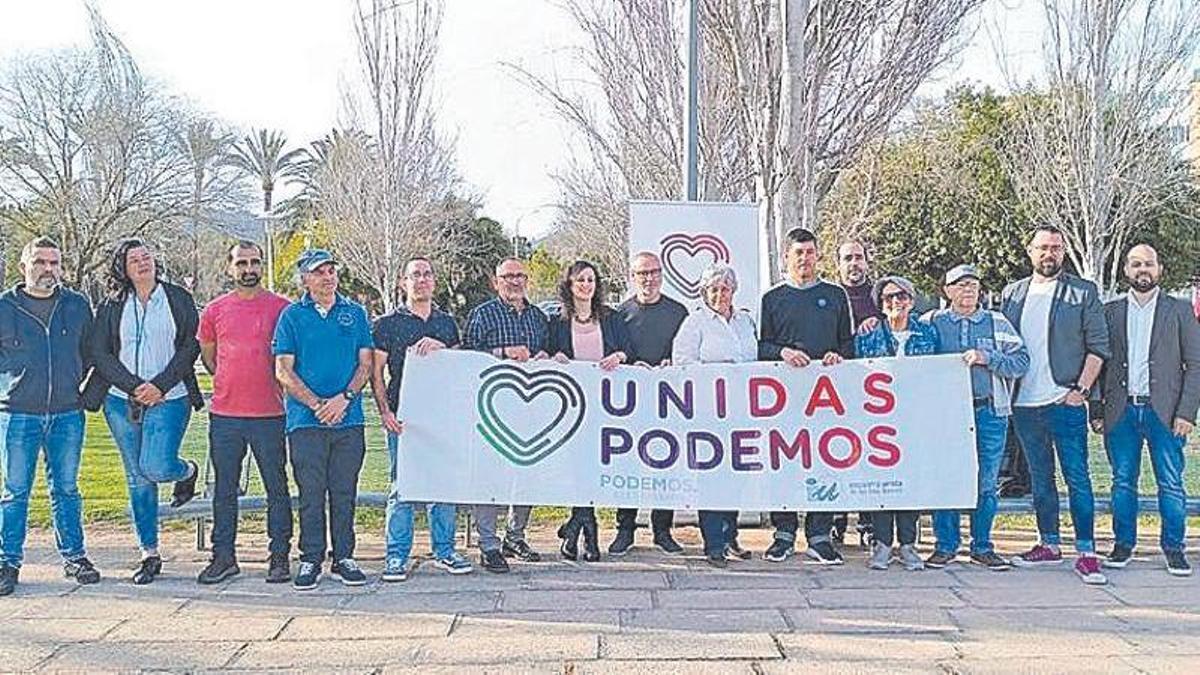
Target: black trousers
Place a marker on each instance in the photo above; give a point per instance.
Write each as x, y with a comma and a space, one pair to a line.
228, 438
326, 464
661, 520
816, 526
905, 523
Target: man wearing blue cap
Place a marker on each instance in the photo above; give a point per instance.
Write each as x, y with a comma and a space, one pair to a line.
997, 356
323, 354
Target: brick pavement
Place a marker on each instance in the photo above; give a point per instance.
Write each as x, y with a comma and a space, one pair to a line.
644, 613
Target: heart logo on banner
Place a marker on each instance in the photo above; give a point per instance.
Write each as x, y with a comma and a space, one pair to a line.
542, 434
677, 247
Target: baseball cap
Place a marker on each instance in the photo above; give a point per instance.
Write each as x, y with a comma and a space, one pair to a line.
313, 258
960, 272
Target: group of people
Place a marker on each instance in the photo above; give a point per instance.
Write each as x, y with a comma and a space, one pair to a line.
288, 381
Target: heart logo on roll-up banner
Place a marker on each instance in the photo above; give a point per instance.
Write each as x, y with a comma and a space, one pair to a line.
680, 253
524, 431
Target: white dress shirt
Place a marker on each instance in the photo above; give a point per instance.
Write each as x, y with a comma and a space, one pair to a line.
1139, 322
707, 337
148, 339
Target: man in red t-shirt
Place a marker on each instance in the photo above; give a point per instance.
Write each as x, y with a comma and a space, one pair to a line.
247, 410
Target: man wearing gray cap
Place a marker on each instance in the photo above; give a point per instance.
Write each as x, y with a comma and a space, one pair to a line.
323, 356
997, 356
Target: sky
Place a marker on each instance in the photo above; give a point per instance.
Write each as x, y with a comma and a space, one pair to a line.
279, 64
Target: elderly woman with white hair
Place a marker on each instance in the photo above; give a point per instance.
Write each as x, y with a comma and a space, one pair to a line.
717, 333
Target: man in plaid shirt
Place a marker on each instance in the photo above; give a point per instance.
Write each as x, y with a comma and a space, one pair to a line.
507, 327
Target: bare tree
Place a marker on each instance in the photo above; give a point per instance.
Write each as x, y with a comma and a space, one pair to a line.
383, 194
88, 151
214, 180
1093, 155
778, 124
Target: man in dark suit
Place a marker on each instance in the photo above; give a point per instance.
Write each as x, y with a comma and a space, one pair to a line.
1150, 392
1062, 322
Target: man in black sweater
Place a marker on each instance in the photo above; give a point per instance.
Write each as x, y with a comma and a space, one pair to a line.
804, 319
652, 319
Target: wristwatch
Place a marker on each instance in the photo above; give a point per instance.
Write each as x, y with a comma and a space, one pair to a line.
349, 394
1083, 391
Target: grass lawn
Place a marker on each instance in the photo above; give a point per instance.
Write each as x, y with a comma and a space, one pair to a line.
102, 479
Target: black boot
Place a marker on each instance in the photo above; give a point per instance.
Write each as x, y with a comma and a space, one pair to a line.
569, 533
591, 540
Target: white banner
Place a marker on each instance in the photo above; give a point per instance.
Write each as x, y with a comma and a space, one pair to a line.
866, 434
690, 236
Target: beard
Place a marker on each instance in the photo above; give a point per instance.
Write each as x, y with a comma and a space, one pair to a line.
46, 282
1143, 283
249, 280
1049, 268
855, 277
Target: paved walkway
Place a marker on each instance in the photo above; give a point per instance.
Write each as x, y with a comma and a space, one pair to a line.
646, 613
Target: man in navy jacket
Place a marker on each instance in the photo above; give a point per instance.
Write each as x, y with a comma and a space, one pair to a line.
43, 332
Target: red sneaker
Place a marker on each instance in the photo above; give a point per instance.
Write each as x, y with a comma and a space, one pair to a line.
1037, 556
1088, 569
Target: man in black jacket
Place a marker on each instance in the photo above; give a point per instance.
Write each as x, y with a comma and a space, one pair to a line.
804, 319
43, 333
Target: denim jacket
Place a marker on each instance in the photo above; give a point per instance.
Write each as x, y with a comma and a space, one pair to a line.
42, 365
991, 333
882, 342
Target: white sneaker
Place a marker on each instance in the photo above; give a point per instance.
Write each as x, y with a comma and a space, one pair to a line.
910, 559
881, 557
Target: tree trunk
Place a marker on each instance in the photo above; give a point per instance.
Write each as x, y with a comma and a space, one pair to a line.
794, 156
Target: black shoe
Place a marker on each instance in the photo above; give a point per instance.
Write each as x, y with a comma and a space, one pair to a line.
147, 570
1119, 558
520, 550
348, 572
666, 543
185, 490
717, 561
734, 551
623, 542
219, 569
493, 561
82, 571
778, 551
940, 559
591, 541
8, 579
278, 570
307, 576
1177, 564
989, 560
824, 553
568, 532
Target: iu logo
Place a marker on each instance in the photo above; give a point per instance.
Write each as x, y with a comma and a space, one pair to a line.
684, 257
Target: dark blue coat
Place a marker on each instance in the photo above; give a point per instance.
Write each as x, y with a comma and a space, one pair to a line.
42, 366
612, 331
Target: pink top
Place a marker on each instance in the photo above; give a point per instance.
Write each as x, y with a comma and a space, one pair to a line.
587, 341
244, 384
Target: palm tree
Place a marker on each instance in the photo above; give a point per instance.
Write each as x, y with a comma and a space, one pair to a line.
206, 148
261, 154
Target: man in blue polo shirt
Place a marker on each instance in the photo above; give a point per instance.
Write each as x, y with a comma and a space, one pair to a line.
323, 353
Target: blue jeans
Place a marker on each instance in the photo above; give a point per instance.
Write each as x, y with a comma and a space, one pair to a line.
22, 438
991, 434
1043, 431
400, 518
719, 529
227, 441
150, 453
1124, 445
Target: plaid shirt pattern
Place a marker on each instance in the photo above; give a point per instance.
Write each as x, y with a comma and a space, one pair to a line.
496, 324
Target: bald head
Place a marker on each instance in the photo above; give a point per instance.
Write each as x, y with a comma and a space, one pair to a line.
1142, 269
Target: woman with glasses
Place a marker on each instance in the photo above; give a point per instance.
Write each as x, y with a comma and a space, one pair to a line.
903, 335
585, 329
144, 348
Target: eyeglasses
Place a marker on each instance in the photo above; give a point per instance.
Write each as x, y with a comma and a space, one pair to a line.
513, 276
648, 274
898, 296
